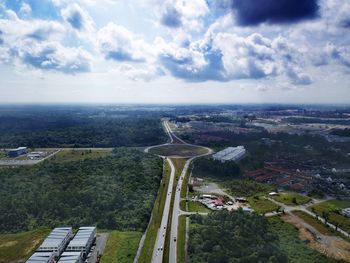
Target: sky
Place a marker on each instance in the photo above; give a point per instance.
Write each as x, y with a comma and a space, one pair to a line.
175, 51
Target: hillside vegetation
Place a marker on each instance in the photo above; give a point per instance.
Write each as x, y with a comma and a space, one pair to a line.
112, 192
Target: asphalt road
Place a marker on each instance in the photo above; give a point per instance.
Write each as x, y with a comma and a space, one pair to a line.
158, 251
101, 240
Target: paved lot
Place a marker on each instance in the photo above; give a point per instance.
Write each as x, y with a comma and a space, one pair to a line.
101, 241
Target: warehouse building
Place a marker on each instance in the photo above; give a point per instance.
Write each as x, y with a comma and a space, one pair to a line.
17, 152
42, 257
230, 154
56, 241
71, 257
83, 240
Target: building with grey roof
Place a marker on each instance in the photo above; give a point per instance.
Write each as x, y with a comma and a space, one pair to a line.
56, 241
230, 154
83, 240
42, 257
71, 257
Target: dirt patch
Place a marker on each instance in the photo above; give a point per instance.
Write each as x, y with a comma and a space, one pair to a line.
8, 244
331, 246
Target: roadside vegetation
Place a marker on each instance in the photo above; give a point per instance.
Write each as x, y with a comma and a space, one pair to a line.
18, 247
233, 237
114, 192
181, 240
121, 247
291, 198
296, 250
156, 220
330, 210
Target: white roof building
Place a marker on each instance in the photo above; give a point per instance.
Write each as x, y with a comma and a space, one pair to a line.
83, 240
71, 257
56, 241
230, 154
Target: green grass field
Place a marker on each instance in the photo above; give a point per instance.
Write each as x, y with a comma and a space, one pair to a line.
262, 205
20, 246
151, 235
194, 207
291, 198
181, 240
178, 150
75, 155
121, 247
296, 249
332, 208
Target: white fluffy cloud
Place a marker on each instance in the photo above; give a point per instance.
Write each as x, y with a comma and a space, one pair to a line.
118, 43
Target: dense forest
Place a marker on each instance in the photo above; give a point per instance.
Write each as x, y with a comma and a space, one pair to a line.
215, 169
113, 192
79, 127
224, 237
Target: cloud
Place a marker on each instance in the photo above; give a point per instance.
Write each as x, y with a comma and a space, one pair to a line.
254, 12
25, 10
37, 44
171, 17
340, 54
119, 44
53, 56
77, 18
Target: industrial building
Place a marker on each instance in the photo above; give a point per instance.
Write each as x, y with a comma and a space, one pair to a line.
83, 240
345, 212
56, 241
230, 154
42, 257
71, 257
16, 152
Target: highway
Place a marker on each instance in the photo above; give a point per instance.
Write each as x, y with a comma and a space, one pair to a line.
175, 215
157, 256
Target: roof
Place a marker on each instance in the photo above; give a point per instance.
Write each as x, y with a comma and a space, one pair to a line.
56, 237
70, 257
82, 237
230, 153
41, 257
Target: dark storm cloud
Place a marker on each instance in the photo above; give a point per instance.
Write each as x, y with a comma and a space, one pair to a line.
171, 17
254, 12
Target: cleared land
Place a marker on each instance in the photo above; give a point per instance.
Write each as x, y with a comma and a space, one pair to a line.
79, 155
262, 205
151, 235
296, 249
121, 247
322, 228
180, 150
332, 209
292, 198
19, 246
